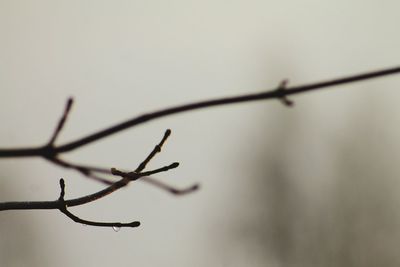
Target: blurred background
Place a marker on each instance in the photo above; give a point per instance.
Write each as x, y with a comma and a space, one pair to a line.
313, 185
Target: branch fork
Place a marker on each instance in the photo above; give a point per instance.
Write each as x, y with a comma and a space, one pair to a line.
51, 151
282, 94
63, 209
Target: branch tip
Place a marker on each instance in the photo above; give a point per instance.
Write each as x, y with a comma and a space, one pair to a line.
181, 192
50, 151
195, 187
61, 123
62, 187
156, 149
173, 165
134, 224
68, 106
62, 206
283, 84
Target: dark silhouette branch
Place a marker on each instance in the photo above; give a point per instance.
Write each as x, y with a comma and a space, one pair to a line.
63, 209
51, 152
61, 204
277, 94
132, 176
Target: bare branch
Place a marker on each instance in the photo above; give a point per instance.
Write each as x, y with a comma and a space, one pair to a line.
63, 209
222, 101
51, 152
277, 94
130, 176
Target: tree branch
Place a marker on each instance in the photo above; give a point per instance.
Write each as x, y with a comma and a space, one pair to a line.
277, 94
51, 152
127, 177
63, 209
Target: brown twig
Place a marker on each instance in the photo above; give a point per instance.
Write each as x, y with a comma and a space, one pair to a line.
277, 94
110, 189
127, 177
63, 208
51, 152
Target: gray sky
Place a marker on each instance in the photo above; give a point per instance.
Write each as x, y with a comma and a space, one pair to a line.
123, 58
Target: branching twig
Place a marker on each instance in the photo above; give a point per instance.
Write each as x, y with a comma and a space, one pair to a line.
62, 204
63, 208
281, 89
277, 94
51, 152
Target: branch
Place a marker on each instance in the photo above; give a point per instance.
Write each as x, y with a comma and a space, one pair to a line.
277, 94
63, 208
51, 152
62, 204
133, 176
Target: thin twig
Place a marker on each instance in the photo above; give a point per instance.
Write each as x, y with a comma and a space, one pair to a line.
157, 149
172, 190
84, 170
278, 94
61, 123
34, 205
63, 208
50, 151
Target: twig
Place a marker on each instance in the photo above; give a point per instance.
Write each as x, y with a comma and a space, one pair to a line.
62, 204
157, 149
63, 208
35, 205
172, 190
51, 152
33, 152
61, 123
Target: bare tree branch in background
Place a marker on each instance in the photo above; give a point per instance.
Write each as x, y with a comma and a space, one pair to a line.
51, 152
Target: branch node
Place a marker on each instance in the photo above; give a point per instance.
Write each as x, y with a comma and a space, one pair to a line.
282, 94
157, 149
63, 208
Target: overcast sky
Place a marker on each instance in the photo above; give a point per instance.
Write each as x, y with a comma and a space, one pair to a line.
119, 59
